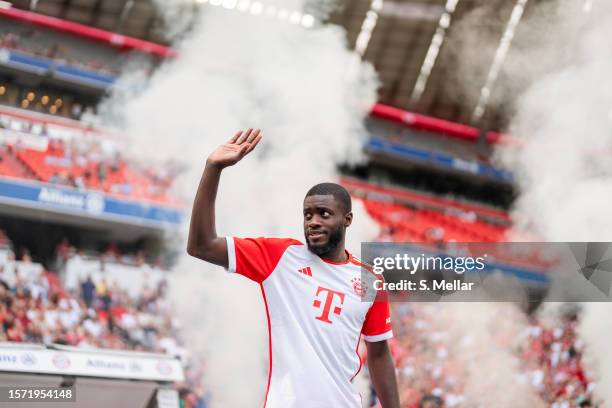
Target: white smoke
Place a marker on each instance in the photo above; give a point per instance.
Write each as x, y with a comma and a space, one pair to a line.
492, 374
563, 166
177, 16
309, 95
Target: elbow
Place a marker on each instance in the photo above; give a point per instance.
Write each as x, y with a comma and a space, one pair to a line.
193, 251
205, 253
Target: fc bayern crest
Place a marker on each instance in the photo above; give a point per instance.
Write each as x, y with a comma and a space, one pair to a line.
359, 288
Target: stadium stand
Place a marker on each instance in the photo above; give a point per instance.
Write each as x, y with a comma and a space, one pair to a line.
121, 310
404, 224
34, 149
429, 368
551, 355
55, 46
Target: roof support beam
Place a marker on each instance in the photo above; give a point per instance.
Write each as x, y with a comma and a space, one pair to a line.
127, 8
433, 51
95, 11
65, 7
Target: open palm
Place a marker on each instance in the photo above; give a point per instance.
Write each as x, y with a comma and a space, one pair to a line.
231, 152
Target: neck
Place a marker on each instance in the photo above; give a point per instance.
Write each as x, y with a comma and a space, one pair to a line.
337, 254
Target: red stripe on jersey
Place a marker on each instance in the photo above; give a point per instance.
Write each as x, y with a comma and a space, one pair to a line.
263, 292
367, 267
358, 358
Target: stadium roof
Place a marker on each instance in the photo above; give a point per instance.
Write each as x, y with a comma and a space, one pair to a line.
137, 18
415, 45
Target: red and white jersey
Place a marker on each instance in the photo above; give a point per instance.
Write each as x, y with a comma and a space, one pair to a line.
316, 316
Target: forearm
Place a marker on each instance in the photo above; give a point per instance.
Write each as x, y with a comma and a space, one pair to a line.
382, 374
203, 242
202, 231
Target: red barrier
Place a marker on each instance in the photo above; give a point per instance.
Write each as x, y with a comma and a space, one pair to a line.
81, 30
435, 125
428, 123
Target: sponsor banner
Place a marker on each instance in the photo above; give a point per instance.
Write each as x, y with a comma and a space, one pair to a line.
88, 203
93, 364
42, 66
486, 272
436, 159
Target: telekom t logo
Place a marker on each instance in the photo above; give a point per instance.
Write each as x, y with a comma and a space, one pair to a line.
329, 300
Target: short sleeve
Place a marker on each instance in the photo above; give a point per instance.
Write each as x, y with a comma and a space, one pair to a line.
377, 324
256, 258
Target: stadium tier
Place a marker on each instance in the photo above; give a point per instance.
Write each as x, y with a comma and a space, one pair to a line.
64, 167
102, 333
417, 225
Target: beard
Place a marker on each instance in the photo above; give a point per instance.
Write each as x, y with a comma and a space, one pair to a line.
335, 237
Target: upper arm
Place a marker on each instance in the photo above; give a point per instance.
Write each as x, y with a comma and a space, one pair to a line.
216, 253
377, 349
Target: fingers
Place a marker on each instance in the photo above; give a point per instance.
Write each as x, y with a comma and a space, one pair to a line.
235, 137
254, 142
244, 136
253, 135
247, 140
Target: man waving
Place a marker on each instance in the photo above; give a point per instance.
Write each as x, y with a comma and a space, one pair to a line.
313, 294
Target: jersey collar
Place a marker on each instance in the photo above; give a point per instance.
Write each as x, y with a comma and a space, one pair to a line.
349, 258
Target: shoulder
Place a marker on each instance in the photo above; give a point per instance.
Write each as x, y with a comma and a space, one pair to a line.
276, 243
356, 261
284, 241
265, 243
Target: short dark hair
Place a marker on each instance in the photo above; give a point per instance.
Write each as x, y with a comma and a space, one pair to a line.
435, 400
335, 190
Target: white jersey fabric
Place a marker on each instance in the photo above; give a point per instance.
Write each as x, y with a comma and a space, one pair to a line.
316, 316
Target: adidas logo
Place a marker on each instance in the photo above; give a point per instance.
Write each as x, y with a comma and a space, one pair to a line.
306, 271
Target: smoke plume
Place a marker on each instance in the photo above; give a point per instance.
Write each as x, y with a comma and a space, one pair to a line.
564, 123
309, 95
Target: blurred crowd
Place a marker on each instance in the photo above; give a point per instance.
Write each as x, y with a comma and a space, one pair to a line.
100, 314
551, 355
428, 375
432, 374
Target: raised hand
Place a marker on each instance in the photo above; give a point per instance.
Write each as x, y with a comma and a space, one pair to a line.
231, 152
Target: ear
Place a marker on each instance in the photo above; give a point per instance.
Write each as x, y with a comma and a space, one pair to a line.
348, 219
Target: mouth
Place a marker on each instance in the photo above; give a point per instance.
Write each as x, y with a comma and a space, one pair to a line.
316, 235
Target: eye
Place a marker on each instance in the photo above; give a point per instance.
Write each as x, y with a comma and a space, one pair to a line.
326, 214
307, 216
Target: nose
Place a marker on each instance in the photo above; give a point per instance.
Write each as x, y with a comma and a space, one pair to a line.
313, 223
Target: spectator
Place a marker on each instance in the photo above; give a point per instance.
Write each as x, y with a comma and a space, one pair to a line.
25, 255
103, 293
431, 401
88, 290
39, 289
